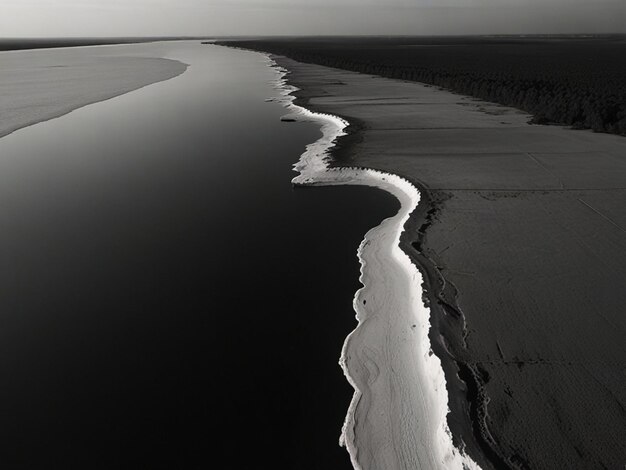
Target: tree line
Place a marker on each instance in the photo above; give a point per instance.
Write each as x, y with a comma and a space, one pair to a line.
574, 82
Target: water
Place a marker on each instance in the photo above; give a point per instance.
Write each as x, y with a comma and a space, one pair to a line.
167, 299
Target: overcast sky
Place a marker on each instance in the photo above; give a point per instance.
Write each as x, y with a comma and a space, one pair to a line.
40, 18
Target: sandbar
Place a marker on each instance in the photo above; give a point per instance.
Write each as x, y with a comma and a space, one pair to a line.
38, 85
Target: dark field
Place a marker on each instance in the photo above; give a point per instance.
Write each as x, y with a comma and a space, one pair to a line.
576, 81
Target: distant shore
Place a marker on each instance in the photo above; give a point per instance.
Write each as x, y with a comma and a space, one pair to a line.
520, 238
18, 44
36, 86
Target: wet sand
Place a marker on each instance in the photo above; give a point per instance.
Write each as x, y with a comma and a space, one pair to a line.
521, 236
38, 85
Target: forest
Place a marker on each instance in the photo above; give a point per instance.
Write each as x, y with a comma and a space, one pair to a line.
574, 81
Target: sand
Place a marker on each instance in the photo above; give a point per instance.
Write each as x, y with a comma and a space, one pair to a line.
397, 417
521, 237
38, 85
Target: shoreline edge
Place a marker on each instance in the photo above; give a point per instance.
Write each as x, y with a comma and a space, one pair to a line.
393, 322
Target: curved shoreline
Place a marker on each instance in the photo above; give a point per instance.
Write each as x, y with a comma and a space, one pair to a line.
379, 360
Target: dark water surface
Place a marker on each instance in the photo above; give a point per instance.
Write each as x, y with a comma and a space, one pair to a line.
162, 281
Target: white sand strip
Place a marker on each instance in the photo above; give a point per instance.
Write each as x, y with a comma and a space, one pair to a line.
397, 418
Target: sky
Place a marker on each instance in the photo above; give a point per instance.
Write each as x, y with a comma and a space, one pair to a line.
66, 18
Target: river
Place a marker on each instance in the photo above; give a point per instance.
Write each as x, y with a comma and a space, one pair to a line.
168, 299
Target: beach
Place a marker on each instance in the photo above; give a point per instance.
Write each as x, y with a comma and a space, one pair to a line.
520, 237
397, 417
